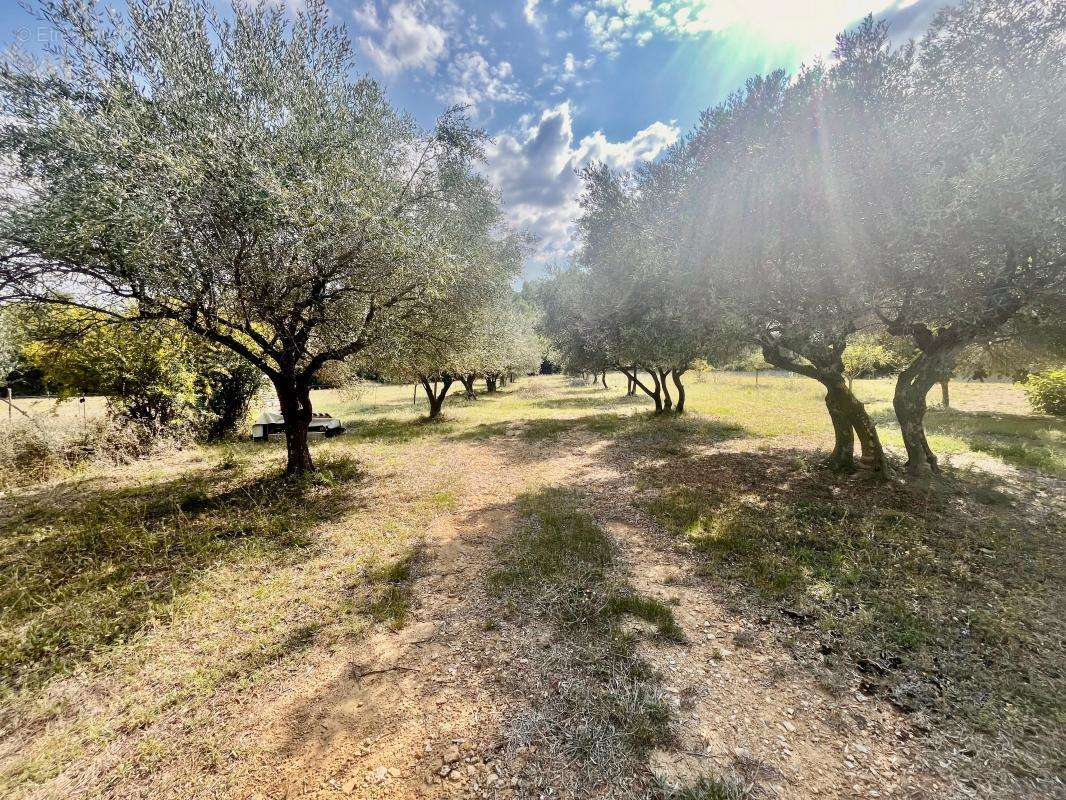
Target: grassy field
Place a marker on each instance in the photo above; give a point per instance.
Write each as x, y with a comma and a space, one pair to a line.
986, 419
140, 604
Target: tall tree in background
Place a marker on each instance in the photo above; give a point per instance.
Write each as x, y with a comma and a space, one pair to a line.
462, 330
227, 173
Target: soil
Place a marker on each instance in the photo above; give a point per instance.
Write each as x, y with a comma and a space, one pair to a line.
423, 712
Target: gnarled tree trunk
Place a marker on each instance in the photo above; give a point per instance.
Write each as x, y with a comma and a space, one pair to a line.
680, 406
490, 384
938, 348
603, 379
654, 392
848, 414
434, 394
668, 401
909, 401
468, 384
294, 397
850, 410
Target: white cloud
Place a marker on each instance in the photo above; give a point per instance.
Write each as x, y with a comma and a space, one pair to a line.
474, 80
366, 16
568, 73
810, 25
530, 11
406, 40
536, 169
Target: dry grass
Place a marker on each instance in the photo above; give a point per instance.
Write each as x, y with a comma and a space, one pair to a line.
939, 594
986, 419
597, 707
141, 603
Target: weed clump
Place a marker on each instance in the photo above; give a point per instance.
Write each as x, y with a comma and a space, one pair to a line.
390, 591
600, 706
30, 454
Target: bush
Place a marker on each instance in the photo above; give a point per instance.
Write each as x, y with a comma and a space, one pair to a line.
1047, 391
31, 454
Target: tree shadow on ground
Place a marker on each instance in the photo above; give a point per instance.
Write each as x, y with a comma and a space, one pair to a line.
395, 431
85, 564
945, 594
585, 401
1025, 441
652, 435
540, 430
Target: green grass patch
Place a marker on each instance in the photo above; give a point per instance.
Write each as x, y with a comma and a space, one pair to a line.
650, 610
604, 706
712, 788
390, 591
1027, 442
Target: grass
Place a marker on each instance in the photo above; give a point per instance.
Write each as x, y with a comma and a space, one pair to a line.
390, 591
710, 788
141, 604
87, 572
600, 705
938, 595
133, 595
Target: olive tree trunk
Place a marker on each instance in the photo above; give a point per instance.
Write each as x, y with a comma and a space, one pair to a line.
668, 401
294, 397
909, 402
436, 396
846, 411
680, 406
654, 391
468, 384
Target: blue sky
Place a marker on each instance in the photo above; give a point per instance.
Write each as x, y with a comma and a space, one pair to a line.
559, 83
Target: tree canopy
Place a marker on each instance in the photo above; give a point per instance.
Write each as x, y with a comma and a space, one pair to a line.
229, 173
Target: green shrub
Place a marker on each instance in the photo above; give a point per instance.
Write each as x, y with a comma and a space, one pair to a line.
1047, 391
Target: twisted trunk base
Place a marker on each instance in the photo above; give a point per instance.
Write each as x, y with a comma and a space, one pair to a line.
468, 385
676, 375
654, 392
668, 401
850, 421
295, 401
909, 403
436, 396
847, 413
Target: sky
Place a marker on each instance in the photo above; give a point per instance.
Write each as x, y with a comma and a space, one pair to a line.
558, 84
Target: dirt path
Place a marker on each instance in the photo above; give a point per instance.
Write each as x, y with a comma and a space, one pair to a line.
747, 709
417, 712
423, 712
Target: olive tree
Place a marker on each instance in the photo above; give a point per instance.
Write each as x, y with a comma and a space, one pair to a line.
774, 199
464, 331
970, 208
227, 172
566, 320
637, 311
